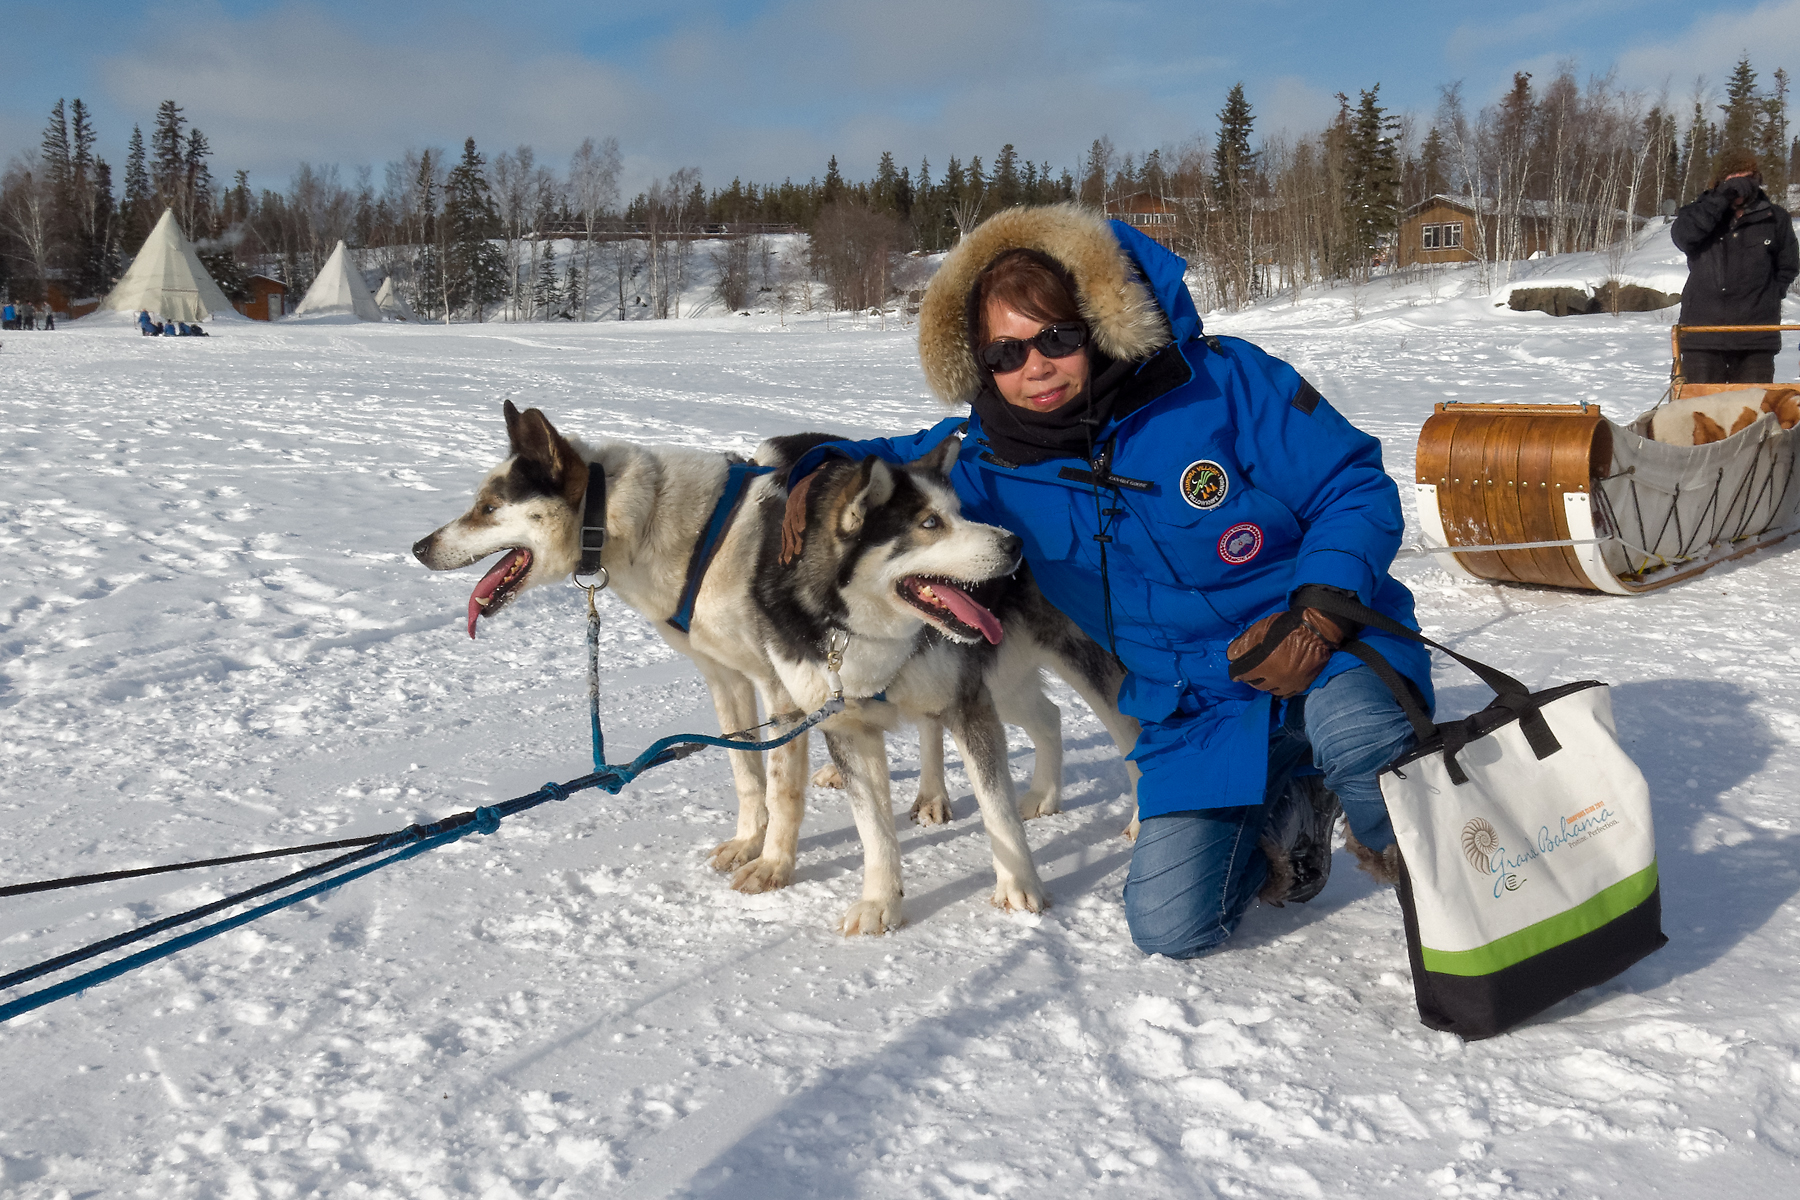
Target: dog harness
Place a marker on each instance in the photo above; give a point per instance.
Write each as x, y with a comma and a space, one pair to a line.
737, 481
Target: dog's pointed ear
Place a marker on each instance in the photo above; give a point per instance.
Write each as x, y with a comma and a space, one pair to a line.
535, 440
871, 486
512, 424
940, 458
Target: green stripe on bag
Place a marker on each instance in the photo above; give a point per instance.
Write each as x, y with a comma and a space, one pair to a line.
1532, 940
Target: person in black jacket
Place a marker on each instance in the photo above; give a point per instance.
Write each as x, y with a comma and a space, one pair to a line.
1741, 256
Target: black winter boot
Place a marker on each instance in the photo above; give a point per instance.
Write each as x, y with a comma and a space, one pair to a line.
1297, 842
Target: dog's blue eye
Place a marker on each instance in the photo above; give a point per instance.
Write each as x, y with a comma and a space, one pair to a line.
487, 509
930, 522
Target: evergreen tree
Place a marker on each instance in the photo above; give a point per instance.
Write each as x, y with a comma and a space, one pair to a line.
1096, 171
474, 268
98, 268
428, 283
55, 153
546, 295
571, 289
135, 215
1234, 163
1742, 108
884, 192
168, 158
1434, 165
1008, 189
1153, 178
1696, 154
834, 183
196, 186
1372, 177
1771, 137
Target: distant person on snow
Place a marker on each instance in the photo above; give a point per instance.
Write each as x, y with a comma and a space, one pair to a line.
1741, 256
8, 315
1173, 491
146, 326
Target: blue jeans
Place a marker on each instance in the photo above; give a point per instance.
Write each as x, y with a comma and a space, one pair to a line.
1194, 873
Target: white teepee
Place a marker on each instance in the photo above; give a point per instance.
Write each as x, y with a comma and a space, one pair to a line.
391, 302
167, 279
339, 289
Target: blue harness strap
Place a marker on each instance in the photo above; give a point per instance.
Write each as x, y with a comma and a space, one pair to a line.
737, 481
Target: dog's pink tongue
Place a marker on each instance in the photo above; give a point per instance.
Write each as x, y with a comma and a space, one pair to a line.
969, 612
490, 583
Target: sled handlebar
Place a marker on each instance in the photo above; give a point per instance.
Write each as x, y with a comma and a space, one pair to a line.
1675, 332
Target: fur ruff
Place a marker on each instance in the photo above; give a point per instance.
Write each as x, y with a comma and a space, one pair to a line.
1383, 866
1126, 322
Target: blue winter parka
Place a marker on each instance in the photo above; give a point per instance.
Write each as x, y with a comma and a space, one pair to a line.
1243, 484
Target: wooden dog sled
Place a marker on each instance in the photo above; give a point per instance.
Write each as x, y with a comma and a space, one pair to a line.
1556, 494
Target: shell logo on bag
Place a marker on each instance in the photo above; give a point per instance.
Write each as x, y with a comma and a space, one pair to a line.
1479, 841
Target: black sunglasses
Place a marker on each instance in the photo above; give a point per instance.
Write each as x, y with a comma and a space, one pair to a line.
1052, 341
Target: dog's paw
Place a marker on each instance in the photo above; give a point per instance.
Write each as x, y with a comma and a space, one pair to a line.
1014, 896
1033, 805
729, 856
828, 776
763, 875
932, 810
871, 917
1130, 832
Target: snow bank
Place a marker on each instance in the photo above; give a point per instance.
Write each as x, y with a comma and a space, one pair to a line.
215, 638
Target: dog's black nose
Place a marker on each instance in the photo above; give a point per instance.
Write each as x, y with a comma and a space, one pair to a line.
1012, 545
421, 548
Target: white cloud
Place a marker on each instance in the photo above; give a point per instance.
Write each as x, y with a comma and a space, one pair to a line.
1769, 34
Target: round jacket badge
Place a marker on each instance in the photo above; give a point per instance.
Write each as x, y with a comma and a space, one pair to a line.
1241, 543
1204, 484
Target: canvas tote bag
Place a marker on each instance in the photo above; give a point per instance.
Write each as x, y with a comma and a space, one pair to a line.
1528, 853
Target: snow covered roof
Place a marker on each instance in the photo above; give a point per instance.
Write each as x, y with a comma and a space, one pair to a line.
1543, 210
339, 289
167, 278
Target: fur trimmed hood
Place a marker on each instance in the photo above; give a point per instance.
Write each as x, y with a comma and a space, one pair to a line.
1123, 313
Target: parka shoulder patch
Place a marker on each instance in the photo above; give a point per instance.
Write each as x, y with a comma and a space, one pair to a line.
1307, 398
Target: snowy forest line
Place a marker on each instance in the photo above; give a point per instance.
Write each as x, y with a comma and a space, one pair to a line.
471, 236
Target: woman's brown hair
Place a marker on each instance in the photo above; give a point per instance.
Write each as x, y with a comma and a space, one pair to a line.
1028, 282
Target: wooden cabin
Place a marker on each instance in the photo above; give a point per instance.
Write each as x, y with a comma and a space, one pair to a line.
1444, 229
1151, 214
268, 299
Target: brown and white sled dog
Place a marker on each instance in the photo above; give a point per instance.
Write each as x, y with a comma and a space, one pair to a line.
888, 573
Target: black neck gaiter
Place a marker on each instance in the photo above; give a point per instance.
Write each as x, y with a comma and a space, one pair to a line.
1024, 437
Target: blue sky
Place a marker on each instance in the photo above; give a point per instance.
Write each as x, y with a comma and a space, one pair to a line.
769, 88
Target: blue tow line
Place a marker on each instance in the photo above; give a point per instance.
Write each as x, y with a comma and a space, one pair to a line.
405, 843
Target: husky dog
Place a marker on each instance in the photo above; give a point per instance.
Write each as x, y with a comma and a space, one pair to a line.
888, 578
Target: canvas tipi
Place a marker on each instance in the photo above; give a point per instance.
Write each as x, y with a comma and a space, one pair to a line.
167, 279
339, 290
391, 302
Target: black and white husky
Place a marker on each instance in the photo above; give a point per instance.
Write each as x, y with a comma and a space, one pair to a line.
915, 598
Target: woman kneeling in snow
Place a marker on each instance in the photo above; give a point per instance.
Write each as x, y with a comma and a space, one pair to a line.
1173, 491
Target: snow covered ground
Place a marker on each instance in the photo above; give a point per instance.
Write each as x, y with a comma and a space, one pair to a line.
212, 637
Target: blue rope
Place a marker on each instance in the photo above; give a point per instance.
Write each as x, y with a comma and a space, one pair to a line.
408, 842
593, 641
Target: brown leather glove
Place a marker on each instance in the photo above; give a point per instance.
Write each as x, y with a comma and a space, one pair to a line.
1284, 652
793, 522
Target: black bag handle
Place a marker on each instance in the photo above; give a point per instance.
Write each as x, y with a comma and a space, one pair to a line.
1508, 692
